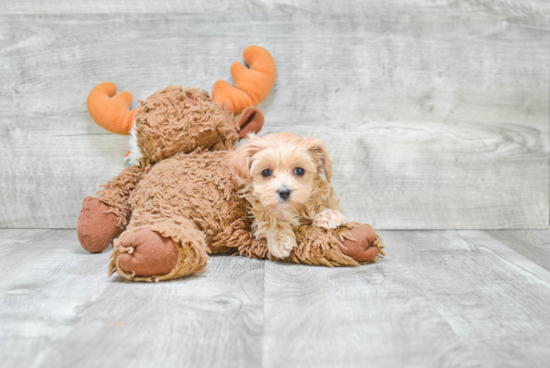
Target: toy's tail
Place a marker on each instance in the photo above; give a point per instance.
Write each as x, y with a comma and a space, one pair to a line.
109, 111
251, 85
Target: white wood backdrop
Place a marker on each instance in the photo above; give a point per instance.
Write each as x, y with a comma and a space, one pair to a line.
435, 112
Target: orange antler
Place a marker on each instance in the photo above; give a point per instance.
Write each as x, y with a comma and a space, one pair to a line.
111, 113
251, 85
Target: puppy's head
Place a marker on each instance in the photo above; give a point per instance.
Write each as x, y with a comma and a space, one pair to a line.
282, 168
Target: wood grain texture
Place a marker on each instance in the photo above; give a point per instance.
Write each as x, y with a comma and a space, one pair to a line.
59, 309
439, 299
531, 8
46, 284
533, 245
434, 119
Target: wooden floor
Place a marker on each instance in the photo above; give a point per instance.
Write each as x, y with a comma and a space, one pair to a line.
439, 299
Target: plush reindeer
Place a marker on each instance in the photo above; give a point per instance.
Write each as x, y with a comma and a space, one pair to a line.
180, 201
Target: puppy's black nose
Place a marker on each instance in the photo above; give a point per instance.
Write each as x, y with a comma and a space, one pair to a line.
284, 193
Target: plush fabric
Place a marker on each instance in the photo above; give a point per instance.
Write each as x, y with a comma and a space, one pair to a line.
157, 255
181, 189
252, 85
109, 110
176, 120
191, 199
180, 202
98, 225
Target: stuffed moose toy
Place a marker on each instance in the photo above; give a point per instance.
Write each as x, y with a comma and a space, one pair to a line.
179, 201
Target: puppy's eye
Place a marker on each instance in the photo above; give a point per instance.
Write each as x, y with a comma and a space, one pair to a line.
299, 171
267, 173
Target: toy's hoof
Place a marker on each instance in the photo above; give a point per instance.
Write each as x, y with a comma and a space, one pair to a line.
96, 227
148, 254
367, 246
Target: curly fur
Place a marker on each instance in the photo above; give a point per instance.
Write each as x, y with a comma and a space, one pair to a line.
276, 220
117, 191
176, 120
183, 188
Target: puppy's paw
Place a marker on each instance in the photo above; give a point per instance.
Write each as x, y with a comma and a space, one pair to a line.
281, 247
329, 219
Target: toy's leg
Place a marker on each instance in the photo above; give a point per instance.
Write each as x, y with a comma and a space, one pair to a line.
103, 218
239, 239
348, 245
97, 226
147, 253
366, 245
162, 250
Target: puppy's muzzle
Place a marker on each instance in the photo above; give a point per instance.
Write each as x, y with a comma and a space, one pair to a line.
284, 194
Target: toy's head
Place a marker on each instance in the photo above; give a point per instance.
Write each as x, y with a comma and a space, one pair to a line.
176, 120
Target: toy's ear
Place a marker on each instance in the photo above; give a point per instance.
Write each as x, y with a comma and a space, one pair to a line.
318, 150
250, 121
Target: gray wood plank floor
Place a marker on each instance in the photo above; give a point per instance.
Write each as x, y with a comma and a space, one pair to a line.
534, 245
435, 113
439, 299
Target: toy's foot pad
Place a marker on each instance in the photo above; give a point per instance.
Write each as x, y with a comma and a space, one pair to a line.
147, 253
367, 246
96, 226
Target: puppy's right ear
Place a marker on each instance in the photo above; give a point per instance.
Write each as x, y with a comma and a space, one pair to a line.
318, 150
241, 160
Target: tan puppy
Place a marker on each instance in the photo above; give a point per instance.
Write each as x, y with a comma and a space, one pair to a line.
286, 179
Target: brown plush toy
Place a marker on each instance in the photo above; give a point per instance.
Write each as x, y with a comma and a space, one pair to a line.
165, 214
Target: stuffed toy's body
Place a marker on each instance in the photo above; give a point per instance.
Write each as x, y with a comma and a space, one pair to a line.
165, 214
192, 200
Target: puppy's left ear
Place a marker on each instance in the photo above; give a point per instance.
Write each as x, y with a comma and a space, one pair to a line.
319, 152
241, 160
250, 121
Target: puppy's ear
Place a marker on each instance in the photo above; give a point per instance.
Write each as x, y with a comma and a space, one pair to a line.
241, 160
319, 152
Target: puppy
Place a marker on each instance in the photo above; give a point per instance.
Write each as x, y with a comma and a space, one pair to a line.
286, 179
